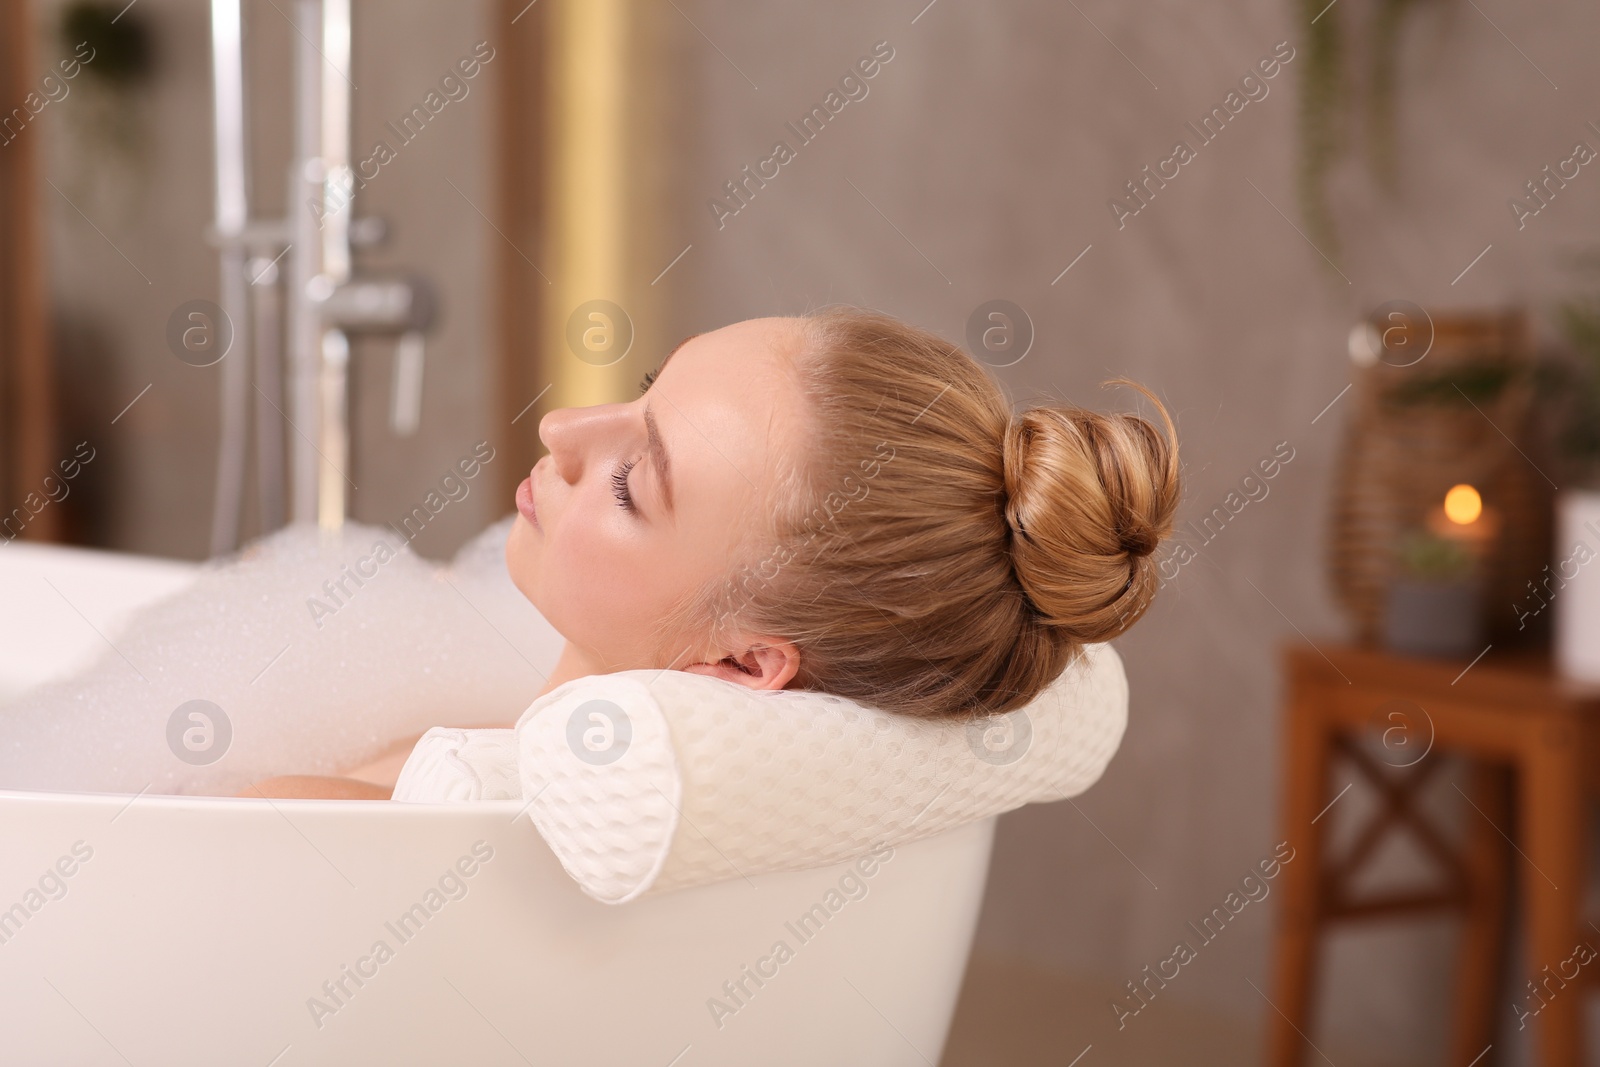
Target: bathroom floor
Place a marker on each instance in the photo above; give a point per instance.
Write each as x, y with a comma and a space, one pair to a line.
1012, 1014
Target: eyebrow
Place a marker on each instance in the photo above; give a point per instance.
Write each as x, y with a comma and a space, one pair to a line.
658, 449
658, 456
674, 351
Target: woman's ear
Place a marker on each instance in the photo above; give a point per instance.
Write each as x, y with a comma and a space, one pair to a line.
762, 663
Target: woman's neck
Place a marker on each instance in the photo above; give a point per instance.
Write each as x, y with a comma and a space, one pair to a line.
573, 663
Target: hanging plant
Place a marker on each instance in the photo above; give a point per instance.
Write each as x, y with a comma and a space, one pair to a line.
1572, 384
119, 38
1387, 22
1321, 95
109, 126
1325, 104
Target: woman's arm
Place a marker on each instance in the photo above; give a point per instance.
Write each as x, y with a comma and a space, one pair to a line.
385, 770
371, 781
312, 786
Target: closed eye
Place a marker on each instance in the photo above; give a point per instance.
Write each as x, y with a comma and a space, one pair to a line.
648, 380
619, 487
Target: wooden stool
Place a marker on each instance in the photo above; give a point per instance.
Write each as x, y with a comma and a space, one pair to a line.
1530, 736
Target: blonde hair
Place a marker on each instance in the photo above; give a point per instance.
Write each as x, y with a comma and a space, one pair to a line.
931, 553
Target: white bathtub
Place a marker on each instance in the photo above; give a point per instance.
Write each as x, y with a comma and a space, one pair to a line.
231, 931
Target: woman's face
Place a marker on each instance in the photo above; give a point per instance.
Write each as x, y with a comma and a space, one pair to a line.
640, 503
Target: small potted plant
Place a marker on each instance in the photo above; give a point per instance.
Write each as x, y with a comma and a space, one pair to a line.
1434, 604
1573, 584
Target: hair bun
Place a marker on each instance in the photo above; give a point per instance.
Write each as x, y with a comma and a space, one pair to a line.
1140, 539
1089, 498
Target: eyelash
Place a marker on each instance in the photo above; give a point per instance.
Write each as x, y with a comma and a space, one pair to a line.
619, 477
619, 486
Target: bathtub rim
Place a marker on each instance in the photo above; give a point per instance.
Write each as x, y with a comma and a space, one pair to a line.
186, 801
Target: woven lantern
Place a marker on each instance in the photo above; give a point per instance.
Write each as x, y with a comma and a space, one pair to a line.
1444, 401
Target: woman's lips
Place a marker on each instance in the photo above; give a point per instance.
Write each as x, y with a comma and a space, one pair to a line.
525, 501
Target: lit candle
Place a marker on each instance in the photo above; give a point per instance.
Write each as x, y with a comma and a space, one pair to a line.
1464, 519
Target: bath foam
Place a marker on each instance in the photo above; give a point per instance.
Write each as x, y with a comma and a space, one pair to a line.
316, 651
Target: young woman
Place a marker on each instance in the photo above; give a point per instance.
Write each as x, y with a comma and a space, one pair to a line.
839, 502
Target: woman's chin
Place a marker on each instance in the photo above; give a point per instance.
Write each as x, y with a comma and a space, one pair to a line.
520, 560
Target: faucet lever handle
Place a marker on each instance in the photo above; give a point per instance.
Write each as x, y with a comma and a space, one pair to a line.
405, 407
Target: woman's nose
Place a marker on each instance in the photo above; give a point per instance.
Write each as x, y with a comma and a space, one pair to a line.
572, 434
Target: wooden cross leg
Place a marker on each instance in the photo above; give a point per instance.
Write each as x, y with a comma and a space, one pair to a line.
1525, 736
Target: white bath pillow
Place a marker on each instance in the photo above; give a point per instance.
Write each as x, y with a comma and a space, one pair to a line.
451, 764
647, 781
